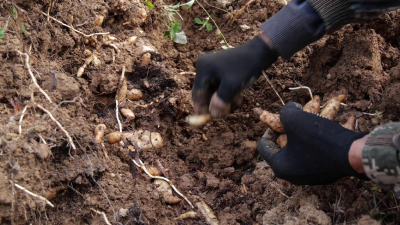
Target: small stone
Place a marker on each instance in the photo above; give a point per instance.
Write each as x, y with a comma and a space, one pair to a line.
329, 76
123, 212
244, 27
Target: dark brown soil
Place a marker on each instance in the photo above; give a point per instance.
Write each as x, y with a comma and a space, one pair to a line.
218, 161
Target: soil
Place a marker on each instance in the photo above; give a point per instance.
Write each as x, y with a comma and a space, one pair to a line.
217, 162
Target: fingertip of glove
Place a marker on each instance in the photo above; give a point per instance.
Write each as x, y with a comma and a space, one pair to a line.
266, 147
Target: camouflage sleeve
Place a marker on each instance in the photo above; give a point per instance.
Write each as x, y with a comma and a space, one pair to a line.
380, 157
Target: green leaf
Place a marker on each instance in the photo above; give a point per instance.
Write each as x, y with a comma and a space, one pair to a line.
209, 27
198, 21
14, 11
189, 4
149, 4
177, 27
180, 38
24, 30
167, 34
2, 30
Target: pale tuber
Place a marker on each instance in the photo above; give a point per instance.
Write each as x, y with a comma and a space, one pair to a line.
99, 133
156, 140
134, 94
145, 60
332, 107
114, 137
207, 212
187, 215
198, 120
273, 120
128, 113
154, 171
313, 106
166, 190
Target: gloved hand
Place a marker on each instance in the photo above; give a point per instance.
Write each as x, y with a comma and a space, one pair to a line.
317, 151
226, 73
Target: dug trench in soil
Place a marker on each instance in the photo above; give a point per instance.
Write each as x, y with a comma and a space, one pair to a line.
218, 161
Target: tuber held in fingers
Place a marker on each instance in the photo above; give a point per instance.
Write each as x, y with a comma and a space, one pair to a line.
313, 106
273, 120
282, 140
350, 124
99, 133
198, 120
332, 107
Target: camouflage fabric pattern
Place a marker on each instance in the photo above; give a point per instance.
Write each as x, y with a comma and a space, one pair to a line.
380, 157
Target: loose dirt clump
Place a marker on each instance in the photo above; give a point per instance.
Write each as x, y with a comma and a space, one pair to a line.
217, 163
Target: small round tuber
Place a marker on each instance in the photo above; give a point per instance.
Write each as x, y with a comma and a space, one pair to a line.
98, 20
156, 140
114, 137
131, 40
166, 190
134, 94
99, 133
154, 171
198, 120
128, 113
145, 60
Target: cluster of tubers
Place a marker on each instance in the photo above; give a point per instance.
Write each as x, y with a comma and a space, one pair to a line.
329, 111
142, 139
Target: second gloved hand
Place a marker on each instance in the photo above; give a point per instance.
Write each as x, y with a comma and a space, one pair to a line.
317, 151
226, 73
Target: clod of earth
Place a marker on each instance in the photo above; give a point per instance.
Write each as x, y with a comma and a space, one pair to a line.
122, 91
99, 133
332, 107
166, 190
198, 120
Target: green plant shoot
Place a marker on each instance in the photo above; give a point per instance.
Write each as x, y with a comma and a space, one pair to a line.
149, 4
174, 26
2, 30
205, 24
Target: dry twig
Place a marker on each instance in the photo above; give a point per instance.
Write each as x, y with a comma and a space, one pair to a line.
240, 11
32, 194
270, 83
72, 28
102, 214
28, 67
143, 167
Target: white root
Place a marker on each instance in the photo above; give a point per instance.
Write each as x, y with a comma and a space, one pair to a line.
72, 28
102, 214
207, 212
70, 141
198, 120
303, 87
32, 194
28, 67
141, 165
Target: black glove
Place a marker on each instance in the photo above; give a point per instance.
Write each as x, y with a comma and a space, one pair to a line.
317, 149
227, 72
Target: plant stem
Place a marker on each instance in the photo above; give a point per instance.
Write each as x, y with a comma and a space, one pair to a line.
226, 42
